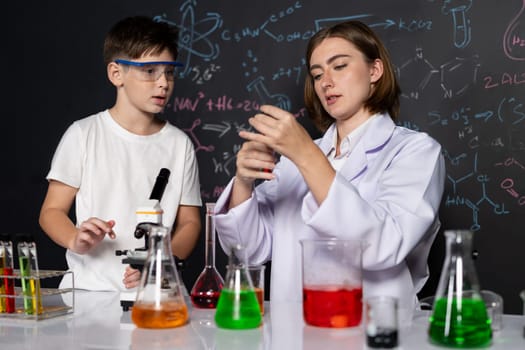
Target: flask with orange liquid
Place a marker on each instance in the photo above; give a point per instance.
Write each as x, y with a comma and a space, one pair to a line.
160, 302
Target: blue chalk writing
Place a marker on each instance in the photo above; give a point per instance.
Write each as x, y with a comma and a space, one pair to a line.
194, 37
279, 100
461, 23
456, 199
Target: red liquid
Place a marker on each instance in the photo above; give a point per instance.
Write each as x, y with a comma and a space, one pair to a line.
206, 290
9, 290
205, 300
333, 307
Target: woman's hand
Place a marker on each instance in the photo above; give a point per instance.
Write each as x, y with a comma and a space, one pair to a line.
254, 161
280, 132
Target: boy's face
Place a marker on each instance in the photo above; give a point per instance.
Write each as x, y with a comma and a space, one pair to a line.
146, 88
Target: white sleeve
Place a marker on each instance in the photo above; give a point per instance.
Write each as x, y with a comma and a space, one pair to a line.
246, 224
404, 211
191, 194
66, 165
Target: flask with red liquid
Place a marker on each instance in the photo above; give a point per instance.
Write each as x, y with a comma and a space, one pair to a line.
208, 286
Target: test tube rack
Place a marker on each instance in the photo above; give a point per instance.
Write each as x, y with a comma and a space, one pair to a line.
55, 301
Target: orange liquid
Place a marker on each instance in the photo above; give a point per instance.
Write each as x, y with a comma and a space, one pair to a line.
260, 298
169, 315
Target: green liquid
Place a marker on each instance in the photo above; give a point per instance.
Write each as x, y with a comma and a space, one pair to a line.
25, 272
238, 310
467, 325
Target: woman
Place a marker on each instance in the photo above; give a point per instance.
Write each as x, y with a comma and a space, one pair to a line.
366, 178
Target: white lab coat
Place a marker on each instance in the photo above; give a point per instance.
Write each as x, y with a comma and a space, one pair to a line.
387, 193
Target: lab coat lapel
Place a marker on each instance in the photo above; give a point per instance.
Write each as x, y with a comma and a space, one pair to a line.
374, 139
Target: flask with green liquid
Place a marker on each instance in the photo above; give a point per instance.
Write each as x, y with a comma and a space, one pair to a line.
238, 307
459, 316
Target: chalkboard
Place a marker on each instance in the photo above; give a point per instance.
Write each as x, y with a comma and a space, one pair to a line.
461, 66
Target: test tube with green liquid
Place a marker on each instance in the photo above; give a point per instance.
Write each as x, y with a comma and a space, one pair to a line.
29, 273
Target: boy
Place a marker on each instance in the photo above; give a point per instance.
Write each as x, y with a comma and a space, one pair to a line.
109, 161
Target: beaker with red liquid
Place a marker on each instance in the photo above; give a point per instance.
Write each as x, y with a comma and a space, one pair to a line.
332, 282
207, 288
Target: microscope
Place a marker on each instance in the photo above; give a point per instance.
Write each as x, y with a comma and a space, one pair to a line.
148, 214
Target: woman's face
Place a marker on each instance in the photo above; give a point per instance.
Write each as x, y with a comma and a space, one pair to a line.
343, 79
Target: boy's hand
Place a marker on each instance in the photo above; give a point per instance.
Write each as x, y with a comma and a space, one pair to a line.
131, 277
90, 233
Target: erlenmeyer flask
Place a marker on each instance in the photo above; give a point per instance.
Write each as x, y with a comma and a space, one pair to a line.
207, 287
159, 302
238, 307
459, 317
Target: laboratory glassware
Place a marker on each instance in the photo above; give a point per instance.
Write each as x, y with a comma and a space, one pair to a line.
159, 302
207, 287
238, 307
459, 316
332, 282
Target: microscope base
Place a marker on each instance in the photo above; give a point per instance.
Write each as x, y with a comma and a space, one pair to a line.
127, 299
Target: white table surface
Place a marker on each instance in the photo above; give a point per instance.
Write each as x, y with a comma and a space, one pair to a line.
99, 323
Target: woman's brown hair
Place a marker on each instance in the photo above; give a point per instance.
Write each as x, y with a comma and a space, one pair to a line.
385, 95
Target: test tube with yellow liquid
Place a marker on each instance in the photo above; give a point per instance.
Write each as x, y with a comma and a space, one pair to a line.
29, 275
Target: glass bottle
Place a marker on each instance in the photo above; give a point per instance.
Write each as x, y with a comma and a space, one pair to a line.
238, 307
159, 302
207, 287
459, 316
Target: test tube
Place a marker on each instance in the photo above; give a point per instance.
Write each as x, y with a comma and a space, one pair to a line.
2, 288
7, 302
29, 273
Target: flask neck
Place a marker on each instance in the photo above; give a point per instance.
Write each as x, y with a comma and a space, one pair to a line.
159, 243
459, 273
237, 257
210, 236
459, 243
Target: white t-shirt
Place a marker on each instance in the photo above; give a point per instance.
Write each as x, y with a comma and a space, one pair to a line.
115, 171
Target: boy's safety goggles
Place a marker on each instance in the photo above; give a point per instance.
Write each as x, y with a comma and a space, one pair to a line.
152, 71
